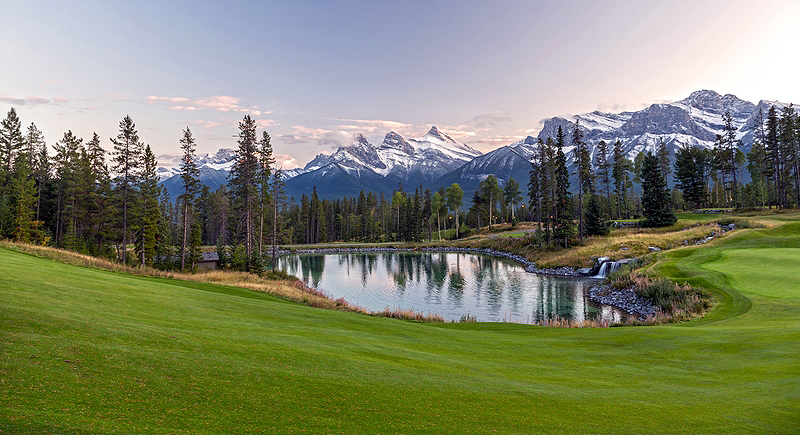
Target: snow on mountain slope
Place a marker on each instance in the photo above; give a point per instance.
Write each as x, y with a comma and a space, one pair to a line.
437, 158
421, 159
693, 121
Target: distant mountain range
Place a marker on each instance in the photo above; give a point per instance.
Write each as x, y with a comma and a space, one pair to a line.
437, 160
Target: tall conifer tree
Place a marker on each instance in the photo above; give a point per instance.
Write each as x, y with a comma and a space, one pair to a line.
190, 177
127, 163
244, 184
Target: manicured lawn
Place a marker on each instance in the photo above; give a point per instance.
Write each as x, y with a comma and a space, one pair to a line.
86, 351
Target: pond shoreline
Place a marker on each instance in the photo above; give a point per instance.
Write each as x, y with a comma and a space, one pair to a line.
625, 300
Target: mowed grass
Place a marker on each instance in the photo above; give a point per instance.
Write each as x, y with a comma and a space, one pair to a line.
86, 351
766, 271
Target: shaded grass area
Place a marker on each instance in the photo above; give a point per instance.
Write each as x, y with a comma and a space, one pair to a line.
90, 351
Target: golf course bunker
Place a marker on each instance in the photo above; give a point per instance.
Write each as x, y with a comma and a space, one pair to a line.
451, 285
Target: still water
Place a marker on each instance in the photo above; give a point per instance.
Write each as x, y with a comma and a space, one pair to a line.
449, 284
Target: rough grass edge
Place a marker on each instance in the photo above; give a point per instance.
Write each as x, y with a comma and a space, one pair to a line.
286, 287
675, 303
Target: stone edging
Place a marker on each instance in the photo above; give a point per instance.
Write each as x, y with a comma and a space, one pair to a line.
625, 300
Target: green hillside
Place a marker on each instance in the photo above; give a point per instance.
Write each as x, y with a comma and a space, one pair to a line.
85, 351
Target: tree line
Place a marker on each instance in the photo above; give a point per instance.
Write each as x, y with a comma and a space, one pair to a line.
112, 205
713, 178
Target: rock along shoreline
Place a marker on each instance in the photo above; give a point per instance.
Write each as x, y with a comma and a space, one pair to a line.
624, 300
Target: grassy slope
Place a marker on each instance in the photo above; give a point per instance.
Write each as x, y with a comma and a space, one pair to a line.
88, 351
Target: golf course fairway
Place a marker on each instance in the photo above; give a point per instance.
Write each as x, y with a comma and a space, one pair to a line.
86, 351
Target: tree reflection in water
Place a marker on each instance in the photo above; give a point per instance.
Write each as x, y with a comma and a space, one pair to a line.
491, 289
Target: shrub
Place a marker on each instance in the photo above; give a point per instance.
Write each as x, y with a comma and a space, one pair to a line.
279, 275
672, 298
467, 318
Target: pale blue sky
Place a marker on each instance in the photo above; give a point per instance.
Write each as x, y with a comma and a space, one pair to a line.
314, 73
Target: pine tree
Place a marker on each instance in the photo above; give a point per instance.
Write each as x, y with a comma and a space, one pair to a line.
663, 160
620, 174
244, 184
758, 167
563, 226
127, 163
24, 190
149, 212
478, 207
731, 148
690, 174
190, 176
42, 176
789, 149
772, 145
534, 189
603, 167
11, 142
595, 222
265, 162
585, 179
655, 195
547, 188
278, 200
195, 247
34, 142
68, 152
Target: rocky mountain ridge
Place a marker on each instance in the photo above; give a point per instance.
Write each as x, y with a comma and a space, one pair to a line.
436, 159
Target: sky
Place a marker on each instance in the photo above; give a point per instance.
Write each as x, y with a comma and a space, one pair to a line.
314, 73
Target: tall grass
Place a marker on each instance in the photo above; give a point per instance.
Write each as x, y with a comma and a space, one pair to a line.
675, 302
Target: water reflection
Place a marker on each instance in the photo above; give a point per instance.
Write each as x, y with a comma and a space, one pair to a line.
449, 284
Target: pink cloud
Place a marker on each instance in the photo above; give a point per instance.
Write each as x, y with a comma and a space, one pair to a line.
219, 103
33, 101
167, 99
285, 161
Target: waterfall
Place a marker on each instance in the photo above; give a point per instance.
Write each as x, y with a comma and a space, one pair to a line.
606, 268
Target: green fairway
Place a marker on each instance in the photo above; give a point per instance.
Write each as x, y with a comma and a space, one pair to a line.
768, 271
85, 351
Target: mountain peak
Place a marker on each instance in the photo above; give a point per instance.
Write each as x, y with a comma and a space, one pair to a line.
395, 141
361, 140
713, 102
435, 132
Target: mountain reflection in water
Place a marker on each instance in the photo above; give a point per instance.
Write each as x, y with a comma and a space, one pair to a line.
449, 284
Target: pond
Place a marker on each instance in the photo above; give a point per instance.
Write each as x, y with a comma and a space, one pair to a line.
449, 284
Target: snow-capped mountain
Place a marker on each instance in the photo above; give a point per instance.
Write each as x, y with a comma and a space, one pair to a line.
222, 160
363, 166
436, 159
423, 159
693, 121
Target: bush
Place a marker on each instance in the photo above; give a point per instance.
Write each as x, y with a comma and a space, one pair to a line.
279, 275
671, 297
